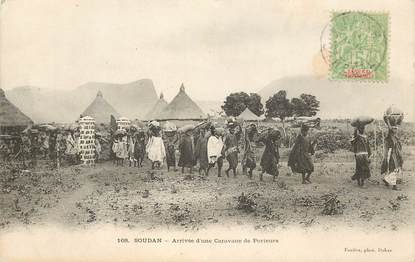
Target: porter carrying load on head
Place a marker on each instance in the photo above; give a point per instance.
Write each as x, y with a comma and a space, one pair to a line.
361, 150
361, 121
186, 148
392, 160
155, 149
300, 159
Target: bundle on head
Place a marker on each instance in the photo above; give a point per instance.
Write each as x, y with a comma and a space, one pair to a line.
361, 121
393, 116
274, 134
220, 131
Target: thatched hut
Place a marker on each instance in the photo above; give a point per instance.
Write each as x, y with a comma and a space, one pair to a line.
156, 110
183, 108
100, 110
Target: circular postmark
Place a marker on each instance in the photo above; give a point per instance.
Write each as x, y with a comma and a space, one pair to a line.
358, 44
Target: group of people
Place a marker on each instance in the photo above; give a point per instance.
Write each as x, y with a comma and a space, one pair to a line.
208, 146
392, 163
57, 145
205, 146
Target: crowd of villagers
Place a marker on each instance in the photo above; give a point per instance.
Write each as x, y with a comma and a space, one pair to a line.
43, 142
204, 146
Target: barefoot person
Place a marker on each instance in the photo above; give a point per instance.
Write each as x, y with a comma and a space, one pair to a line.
300, 156
140, 147
170, 140
201, 154
186, 149
231, 149
214, 149
362, 152
155, 149
270, 158
392, 160
249, 158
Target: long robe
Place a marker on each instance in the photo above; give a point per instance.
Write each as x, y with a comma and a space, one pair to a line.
131, 145
392, 162
201, 153
361, 148
270, 158
170, 145
300, 156
140, 147
249, 158
155, 149
214, 148
186, 150
395, 159
231, 150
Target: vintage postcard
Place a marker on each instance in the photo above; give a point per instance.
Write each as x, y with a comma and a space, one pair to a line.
207, 130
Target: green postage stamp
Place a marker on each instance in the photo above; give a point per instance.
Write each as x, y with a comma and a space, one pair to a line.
359, 46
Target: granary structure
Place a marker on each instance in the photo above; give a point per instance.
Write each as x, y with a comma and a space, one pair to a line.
87, 140
123, 123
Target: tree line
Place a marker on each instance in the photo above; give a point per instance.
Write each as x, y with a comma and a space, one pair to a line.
277, 105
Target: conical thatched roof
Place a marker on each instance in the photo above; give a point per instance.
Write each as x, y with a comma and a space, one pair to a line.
158, 107
182, 107
248, 115
10, 115
100, 110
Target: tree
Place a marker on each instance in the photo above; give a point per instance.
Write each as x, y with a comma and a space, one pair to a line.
236, 103
306, 105
254, 104
279, 106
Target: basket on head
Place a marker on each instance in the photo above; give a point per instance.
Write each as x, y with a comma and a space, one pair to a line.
393, 116
169, 127
220, 131
361, 121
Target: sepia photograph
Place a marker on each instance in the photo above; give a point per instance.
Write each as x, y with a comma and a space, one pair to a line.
207, 130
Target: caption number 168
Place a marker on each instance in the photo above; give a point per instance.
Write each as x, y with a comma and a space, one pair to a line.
122, 240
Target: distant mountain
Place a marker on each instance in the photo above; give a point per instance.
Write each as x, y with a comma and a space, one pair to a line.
45, 105
131, 100
341, 99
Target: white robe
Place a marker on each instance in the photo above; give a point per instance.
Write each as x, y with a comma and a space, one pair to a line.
155, 149
214, 147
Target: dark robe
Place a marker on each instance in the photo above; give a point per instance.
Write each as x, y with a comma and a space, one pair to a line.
270, 157
140, 147
361, 148
249, 158
230, 150
300, 156
186, 149
395, 160
201, 154
170, 145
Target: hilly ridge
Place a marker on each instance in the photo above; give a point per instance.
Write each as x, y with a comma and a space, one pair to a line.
131, 100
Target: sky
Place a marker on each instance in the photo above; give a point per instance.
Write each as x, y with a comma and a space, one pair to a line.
214, 47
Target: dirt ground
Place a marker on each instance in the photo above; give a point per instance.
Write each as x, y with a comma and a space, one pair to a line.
130, 197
